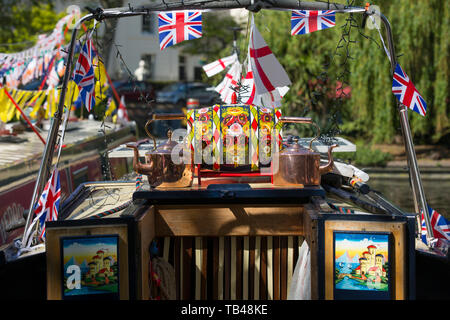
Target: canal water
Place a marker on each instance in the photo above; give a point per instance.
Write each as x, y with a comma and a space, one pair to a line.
396, 188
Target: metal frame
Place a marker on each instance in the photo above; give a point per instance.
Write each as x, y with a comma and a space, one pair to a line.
254, 6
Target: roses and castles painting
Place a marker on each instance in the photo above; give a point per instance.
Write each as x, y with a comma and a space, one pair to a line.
90, 266
361, 262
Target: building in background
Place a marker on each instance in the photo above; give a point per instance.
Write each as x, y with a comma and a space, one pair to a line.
137, 39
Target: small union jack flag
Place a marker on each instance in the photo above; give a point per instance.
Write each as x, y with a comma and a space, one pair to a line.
405, 92
175, 27
84, 74
48, 204
307, 21
440, 226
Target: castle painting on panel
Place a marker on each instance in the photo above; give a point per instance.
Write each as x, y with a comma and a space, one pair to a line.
90, 266
361, 262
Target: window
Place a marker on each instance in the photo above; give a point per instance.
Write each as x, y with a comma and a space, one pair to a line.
149, 65
147, 24
198, 71
182, 68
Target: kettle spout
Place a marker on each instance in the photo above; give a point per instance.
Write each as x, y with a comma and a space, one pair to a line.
329, 166
139, 167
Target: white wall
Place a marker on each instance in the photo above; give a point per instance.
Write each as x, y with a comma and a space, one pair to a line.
133, 43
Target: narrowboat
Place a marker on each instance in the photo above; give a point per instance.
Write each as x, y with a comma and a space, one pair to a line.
224, 226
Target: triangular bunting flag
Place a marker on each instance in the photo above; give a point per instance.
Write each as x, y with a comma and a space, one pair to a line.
268, 74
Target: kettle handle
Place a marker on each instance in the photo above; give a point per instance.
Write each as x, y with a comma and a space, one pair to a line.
302, 120
163, 116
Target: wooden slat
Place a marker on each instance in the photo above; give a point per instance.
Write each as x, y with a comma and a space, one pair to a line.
239, 242
204, 282
245, 268
263, 278
276, 268
251, 274
187, 264
177, 253
146, 234
215, 268
221, 268
283, 269
290, 261
233, 268
257, 269
227, 269
166, 248
269, 268
198, 268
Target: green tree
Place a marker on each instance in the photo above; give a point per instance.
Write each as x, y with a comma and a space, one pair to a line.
421, 31
23, 20
349, 56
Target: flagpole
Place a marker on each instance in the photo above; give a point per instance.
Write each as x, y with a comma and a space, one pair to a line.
414, 172
47, 158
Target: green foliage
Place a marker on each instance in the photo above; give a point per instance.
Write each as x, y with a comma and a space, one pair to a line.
22, 21
320, 62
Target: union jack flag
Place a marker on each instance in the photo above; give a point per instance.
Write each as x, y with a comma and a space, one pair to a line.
405, 91
48, 204
440, 226
307, 21
175, 27
84, 74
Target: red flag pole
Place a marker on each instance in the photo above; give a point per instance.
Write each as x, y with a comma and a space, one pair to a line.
24, 116
47, 73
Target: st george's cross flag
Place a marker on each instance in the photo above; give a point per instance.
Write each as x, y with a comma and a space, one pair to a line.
219, 65
307, 21
84, 74
405, 92
230, 82
268, 74
270, 99
178, 26
122, 112
439, 225
48, 205
247, 89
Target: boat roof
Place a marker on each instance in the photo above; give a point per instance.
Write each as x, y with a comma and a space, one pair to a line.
22, 154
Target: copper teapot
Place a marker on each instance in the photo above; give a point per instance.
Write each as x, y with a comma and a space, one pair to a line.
160, 169
298, 165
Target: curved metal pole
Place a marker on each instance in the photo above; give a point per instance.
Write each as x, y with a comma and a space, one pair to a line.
414, 172
47, 158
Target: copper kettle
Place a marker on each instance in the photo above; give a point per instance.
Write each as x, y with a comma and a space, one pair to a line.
298, 165
160, 169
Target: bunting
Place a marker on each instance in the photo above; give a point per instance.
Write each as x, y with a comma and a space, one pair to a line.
229, 83
219, 65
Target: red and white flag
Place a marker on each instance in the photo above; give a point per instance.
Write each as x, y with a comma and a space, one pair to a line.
268, 74
230, 82
270, 99
217, 66
247, 90
122, 112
